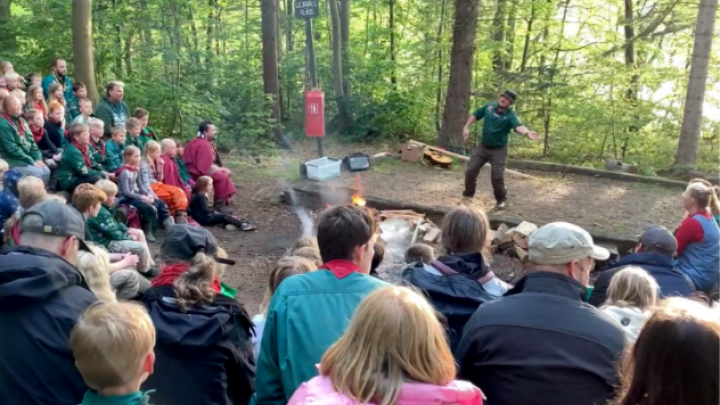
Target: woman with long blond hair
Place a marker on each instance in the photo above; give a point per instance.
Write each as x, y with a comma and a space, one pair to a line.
151, 175
631, 297
458, 282
393, 353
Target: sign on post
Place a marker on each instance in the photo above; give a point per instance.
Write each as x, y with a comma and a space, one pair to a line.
306, 8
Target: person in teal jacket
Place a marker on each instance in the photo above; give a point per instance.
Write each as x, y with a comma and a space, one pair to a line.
114, 150
310, 311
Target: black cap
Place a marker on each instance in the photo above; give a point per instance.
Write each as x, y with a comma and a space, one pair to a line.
55, 219
659, 239
184, 241
510, 95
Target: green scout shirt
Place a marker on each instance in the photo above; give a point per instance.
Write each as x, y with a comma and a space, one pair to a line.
72, 165
496, 127
113, 155
182, 170
17, 149
104, 228
148, 134
137, 142
97, 155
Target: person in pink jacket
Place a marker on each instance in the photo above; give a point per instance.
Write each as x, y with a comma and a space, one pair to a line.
393, 353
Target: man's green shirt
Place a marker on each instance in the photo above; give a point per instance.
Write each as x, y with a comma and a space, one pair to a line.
496, 127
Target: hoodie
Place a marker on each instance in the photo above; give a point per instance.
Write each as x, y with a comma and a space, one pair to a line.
41, 298
456, 296
320, 391
112, 114
9, 196
632, 320
203, 356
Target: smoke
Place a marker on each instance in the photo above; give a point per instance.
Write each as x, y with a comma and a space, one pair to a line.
306, 222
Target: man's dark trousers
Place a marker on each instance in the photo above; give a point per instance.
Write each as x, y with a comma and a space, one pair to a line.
498, 159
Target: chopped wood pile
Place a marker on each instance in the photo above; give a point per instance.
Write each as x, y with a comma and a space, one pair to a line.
512, 241
424, 230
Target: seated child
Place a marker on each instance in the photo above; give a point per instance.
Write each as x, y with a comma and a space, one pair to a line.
206, 216
152, 173
84, 111
306, 242
378, 257
9, 196
73, 106
76, 166
113, 346
57, 93
287, 266
309, 253
132, 128
109, 281
114, 149
51, 155
631, 297
107, 232
33, 79
98, 153
134, 193
146, 133
182, 168
421, 253
55, 124
31, 191
36, 101
171, 172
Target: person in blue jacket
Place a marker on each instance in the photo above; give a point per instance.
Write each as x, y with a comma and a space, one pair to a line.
42, 296
9, 196
309, 312
58, 74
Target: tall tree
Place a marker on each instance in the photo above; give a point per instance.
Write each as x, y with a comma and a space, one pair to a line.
391, 28
498, 37
692, 118
457, 102
345, 44
343, 118
271, 82
8, 40
82, 46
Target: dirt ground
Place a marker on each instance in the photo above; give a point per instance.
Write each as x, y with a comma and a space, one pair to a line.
597, 204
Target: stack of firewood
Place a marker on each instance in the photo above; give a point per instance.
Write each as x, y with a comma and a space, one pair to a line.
512, 241
424, 230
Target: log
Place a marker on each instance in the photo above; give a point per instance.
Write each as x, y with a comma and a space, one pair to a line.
526, 228
520, 241
508, 235
498, 236
417, 229
409, 212
406, 216
521, 254
506, 246
465, 158
431, 235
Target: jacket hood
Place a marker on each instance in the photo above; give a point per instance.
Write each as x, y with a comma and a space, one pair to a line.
466, 263
29, 276
644, 260
320, 391
198, 328
10, 181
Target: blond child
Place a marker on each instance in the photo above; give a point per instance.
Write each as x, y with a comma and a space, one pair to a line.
113, 346
109, 233
31, 191
84, 110
114, 149
312, 254
3, 168
36, 101
287, 266
631, 296
132, 128
51, 155
152, 174
109, 281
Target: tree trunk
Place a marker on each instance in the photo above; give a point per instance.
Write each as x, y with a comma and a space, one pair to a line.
457, 102
209, 38
391, 27
343, 120
345, 44
8, 41
83, 60
271, 84
195, 40
510, 37
526, 47
439, 61
498, 37
118, 43
692, 118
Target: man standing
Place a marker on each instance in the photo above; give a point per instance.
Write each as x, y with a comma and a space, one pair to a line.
42, 296
541, 344
654, 254
58, 74
202, 159
499, 119
112, 110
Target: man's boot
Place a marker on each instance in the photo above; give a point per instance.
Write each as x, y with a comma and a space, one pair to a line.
147, 229
181, 217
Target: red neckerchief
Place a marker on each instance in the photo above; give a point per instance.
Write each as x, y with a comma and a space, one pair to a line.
169, 274
84, 151
20, 121
39, 105
341, 268
37, 134
125, 167
100, 146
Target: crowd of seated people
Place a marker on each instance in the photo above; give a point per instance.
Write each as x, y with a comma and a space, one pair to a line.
89, 316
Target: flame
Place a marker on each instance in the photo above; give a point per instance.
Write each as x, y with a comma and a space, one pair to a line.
359, 201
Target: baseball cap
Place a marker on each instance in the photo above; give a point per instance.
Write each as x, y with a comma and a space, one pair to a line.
184, 241
561, 243
659, 238
510, 95
55, 219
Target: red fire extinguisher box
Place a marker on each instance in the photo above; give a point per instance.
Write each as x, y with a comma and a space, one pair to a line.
314, 113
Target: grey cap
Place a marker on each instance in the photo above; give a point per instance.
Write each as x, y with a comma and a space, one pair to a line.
184, 241
561, 243
659, 239
54, 218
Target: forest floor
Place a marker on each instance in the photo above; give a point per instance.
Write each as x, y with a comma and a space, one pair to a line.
619, 208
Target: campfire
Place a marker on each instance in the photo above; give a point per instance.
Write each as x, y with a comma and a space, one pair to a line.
358, 200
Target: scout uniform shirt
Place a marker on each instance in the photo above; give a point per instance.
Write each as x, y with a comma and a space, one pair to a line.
72, 165
496, 127
104, 228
